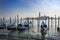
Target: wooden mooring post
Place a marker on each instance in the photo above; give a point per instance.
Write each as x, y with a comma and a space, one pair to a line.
48, 26
51, 22
48, 23
55, 23
21, 20
38, 22
3, 19
17, 21
32, 24
38, 25
28, 29
58, 21
10, 20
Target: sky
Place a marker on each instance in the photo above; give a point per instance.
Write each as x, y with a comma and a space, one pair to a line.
29, 8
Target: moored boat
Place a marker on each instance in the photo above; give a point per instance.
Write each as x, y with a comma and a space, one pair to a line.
2, 25
19, 27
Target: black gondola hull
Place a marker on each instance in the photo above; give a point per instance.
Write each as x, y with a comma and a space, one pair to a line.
2, 27
11, 28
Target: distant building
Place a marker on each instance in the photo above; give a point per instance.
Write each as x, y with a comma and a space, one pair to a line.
41, 17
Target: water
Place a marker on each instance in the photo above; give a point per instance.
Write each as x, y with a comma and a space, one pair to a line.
33, 31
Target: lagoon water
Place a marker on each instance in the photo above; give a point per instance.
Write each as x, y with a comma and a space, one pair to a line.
33, 31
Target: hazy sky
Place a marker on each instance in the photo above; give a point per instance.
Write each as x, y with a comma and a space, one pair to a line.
29, 8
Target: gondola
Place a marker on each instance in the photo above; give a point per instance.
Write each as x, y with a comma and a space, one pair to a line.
2, 25
22, 27
11, 28
19, 27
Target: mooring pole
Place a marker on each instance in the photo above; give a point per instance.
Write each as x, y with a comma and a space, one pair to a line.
58, 22
32, 24
17, 21
48, 25
6, 24
28, 29
38, 25
10, 20
51, 21
28, 22
21, 20
3, 19
55, 23
38, 20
